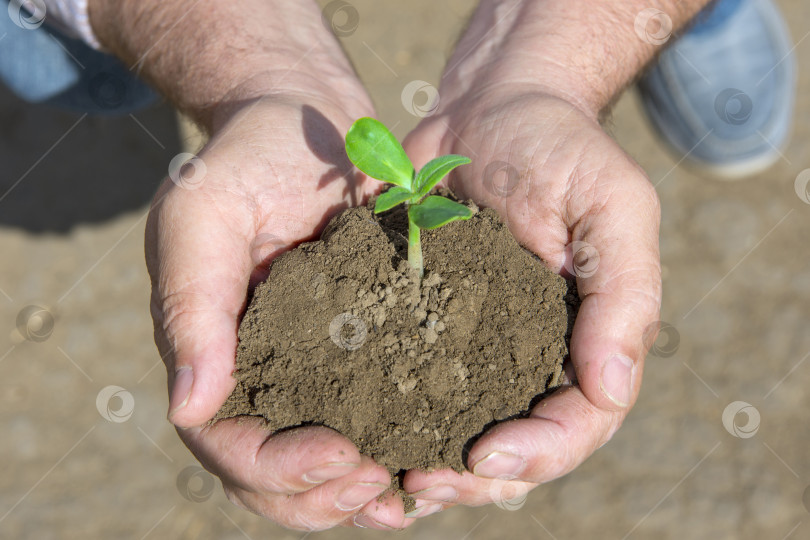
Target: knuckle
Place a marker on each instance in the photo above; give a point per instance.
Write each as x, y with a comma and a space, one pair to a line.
309, 518
272, 484
175, 315
233, 496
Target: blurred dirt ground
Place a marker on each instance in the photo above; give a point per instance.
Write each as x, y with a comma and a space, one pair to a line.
736, 292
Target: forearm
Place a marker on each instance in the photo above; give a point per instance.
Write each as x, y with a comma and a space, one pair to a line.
586, 51
201, 54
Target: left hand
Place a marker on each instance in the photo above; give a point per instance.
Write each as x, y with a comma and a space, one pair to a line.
570, 185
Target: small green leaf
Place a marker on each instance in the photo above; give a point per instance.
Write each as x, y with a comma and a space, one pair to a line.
376, 152
391, 198
436, 169
436, 211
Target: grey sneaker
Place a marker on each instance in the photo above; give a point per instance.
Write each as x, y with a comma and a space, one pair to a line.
722, 95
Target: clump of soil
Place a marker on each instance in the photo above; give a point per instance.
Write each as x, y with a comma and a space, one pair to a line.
344, 335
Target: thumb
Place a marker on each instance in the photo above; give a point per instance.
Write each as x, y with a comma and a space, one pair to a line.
199, 267
614, 255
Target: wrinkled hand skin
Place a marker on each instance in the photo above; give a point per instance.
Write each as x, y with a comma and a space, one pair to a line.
574, 184
277, 94
570, 183
276, 171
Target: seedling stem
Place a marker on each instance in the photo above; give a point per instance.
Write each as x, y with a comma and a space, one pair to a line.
375, 151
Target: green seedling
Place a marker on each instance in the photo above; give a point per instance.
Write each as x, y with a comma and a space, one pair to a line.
375, 151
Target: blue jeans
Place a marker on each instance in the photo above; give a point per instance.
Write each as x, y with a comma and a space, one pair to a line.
40, 65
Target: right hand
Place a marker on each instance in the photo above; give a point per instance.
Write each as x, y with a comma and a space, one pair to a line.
276, 171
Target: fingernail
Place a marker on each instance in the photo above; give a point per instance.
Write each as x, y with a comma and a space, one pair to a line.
366, 522
425, 509
358, 494
499, 464
328, 472
181, 391
437, 493
617, 379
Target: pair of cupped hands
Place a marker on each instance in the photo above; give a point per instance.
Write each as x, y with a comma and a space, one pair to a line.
272, 174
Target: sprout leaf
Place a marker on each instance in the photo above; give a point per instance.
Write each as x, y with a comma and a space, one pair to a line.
376, 152
436, 211
435, 170
391, 198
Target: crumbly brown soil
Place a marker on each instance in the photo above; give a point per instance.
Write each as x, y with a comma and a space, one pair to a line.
343, 335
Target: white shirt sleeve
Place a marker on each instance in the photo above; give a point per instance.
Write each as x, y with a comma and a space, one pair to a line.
70, 17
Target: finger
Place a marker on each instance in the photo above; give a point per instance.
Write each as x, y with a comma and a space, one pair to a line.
324, 506
621, 289
384, 513
448, 488
200, 268
445, 487
560, 433
244, 453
